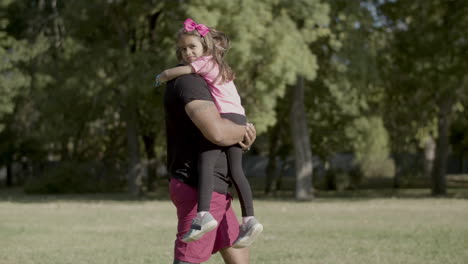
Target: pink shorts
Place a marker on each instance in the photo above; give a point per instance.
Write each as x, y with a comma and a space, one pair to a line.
185, 198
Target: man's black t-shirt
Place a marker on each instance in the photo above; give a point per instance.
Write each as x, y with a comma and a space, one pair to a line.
184, 138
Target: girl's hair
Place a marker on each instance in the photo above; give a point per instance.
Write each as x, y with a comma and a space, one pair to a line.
216, 44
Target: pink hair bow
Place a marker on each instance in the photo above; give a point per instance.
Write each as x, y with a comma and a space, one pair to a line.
190, 25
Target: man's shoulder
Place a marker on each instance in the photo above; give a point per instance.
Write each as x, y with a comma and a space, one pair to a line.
190, 80
192, 87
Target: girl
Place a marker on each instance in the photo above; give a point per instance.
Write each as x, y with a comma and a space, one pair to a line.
202, 50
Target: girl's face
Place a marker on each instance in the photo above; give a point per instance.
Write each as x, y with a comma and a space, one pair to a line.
190, 48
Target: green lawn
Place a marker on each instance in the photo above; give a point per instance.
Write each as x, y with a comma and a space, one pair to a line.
103, 229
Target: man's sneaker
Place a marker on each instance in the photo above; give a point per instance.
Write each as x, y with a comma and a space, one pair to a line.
248, 232
199, 227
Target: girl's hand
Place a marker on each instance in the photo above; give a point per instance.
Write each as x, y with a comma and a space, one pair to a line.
249, 137
158, 81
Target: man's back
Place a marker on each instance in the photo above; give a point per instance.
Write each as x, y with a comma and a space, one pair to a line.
183, 137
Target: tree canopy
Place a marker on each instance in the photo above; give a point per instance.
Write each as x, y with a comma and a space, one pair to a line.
379, 77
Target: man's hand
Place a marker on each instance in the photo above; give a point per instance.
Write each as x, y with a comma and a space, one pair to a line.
249, 137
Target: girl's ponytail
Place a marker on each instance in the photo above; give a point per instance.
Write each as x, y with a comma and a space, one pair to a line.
220, 48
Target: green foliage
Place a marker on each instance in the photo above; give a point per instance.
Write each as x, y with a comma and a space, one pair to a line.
95, 56
71, 73
347, 86
270, 42
371, 147
424, 65
14, 79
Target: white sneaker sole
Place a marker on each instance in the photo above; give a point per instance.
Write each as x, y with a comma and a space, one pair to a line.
248, 240
194, 236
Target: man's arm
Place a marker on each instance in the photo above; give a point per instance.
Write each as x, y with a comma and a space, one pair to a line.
219, 131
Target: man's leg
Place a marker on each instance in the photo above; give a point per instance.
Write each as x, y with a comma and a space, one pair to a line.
228, 231
184, 198
235, 256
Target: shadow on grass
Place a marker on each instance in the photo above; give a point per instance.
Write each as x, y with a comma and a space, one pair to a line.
366, 194
17, 195
457, 188
402, 193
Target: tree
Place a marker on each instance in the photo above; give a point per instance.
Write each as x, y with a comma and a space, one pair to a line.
93, 88
15, 111
345, 104
429, 59
270, 52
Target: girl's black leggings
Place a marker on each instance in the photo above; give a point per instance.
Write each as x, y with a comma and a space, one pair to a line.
208, 156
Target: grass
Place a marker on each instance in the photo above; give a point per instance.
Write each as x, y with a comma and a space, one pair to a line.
114, 229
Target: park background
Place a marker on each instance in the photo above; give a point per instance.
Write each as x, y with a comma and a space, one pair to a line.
359, 108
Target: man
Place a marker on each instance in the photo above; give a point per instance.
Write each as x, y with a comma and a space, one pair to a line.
191, 115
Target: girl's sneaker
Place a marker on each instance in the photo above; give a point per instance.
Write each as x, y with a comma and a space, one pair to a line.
199, 227
248, 232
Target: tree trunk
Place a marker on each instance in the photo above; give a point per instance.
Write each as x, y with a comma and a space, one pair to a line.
301, 143
330, 177
271, 174
429, 155
135, 171
398, 171
9, 174
442, 147
149, 141
271, 169
279, 177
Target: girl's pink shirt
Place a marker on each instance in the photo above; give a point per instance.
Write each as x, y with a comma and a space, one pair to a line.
225, 95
